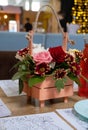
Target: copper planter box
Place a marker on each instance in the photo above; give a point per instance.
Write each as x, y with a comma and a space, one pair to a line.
46, 90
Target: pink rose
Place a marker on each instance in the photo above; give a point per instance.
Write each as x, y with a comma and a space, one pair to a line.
42, 57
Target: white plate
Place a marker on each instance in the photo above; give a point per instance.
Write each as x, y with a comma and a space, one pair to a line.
81, 108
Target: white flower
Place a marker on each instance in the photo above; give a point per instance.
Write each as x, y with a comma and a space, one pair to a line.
19, 57
52, 65
72, 52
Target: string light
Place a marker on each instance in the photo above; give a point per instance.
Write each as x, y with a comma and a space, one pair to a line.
80, 15
5, 16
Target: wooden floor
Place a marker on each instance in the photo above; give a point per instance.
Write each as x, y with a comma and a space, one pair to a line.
20, 106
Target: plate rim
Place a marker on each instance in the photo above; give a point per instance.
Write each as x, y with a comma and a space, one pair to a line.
78, 112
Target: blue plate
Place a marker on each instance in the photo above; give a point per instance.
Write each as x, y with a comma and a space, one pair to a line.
81, 108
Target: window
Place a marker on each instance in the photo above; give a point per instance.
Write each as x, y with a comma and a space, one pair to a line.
27, 5
35, 6
3, 2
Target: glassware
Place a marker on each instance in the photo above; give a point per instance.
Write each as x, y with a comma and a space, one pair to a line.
83, 88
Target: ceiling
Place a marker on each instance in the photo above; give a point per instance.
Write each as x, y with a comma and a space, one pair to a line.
7, 5
22, 2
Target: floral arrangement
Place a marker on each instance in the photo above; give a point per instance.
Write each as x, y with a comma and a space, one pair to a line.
53, 62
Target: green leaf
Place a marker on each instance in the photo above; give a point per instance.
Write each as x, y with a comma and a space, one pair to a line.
59, 84
15, 66
34, 80
74, 78
23, 67
20, 86
19, 74
64, 79
77, 81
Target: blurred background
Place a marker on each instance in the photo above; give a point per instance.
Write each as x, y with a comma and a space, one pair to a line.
13, 14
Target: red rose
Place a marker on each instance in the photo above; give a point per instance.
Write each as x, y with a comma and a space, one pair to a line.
57, 54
